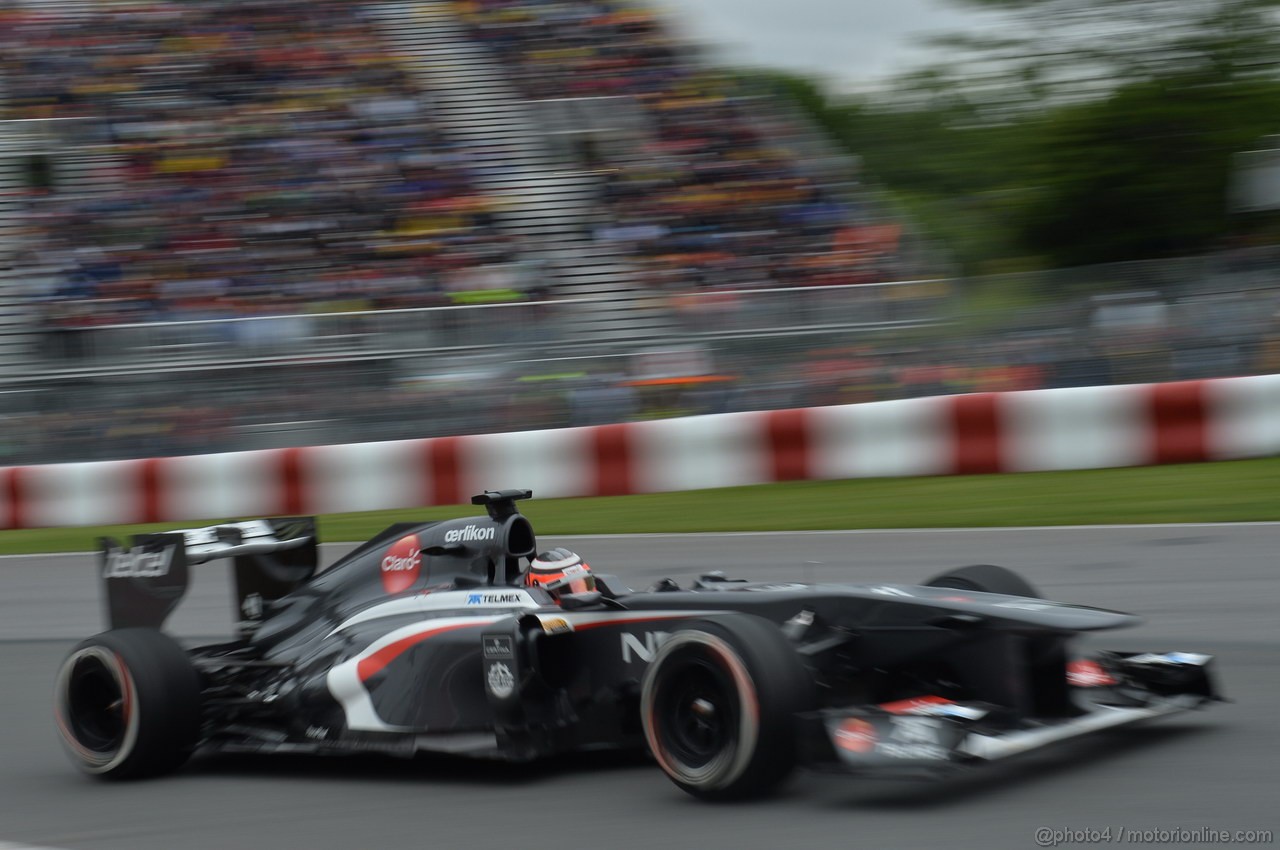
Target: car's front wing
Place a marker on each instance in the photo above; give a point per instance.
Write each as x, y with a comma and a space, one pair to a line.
930, 734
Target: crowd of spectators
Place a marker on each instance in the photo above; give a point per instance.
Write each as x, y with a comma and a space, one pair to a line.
271, 156
704, 196
266, 156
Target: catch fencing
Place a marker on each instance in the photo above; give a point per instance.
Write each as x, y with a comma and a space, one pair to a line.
1071, 428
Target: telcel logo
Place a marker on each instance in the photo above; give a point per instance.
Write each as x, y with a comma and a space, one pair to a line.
471, 532
126, 563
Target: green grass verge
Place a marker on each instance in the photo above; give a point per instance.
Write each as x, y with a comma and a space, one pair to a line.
1236, 491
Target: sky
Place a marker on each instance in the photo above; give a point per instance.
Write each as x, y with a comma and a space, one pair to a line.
855, 43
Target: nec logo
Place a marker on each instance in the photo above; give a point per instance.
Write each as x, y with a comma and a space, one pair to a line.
127, 563
643, 649
471, 532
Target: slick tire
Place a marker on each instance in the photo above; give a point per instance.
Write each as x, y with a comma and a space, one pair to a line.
718, 705
986, 578
127, 704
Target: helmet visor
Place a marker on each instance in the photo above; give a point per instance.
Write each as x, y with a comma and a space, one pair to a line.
576, 579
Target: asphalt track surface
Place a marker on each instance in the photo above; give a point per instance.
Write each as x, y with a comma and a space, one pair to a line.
1203, 588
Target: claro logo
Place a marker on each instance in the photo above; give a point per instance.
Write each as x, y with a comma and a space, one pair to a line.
127, 563
396, 564
469, 533
401, 564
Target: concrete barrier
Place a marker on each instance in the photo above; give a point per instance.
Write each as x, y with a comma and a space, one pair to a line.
1078, 428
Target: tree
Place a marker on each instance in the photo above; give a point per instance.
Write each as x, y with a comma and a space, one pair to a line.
1045, 51
1133, 111
1078, 131
1143, 172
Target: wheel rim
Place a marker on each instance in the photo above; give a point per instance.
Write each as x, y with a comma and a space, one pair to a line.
696, 713
95, 705
95, 708
699, 710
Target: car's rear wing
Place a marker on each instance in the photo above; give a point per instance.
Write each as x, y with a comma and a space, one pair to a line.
145, 582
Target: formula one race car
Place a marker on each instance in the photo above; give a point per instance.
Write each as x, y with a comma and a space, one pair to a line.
432, 637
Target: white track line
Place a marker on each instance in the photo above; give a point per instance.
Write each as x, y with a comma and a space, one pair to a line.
9, 845
985, 528
684, 534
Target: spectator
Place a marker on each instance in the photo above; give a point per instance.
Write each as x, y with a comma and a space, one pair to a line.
264, 150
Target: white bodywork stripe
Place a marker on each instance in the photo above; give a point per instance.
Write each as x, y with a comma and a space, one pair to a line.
997, 747
344, 679
445, 600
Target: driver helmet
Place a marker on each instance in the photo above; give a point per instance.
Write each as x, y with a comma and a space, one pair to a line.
560, 571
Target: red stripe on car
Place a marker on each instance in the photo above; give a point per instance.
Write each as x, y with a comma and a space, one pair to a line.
369, 667
619, 621
906, 706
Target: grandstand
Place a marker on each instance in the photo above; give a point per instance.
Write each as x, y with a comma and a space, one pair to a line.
15, 322
303, 213
401, 154
273, 157
548, 200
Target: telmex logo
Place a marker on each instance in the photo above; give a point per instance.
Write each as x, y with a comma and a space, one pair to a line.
495, 598
471, 532
126, 563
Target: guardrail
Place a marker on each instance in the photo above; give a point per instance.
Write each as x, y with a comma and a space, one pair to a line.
66, 345
1079, 428
50, 136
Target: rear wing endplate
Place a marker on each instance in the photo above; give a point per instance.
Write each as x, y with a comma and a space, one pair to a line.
145, 582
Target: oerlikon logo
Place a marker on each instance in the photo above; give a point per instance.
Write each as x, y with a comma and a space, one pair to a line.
401, 564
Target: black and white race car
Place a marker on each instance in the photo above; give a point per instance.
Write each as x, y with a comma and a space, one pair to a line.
429, 638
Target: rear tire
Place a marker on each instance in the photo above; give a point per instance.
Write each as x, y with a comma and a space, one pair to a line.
986, 578
127, 704
719, 703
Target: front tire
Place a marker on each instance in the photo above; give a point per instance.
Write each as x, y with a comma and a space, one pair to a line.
986, 578
127, 704
718, 705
